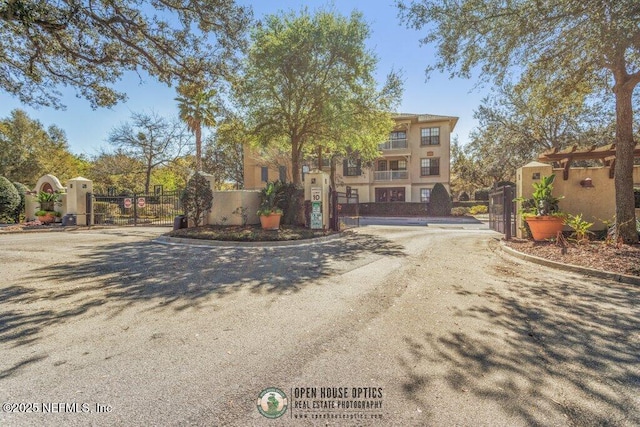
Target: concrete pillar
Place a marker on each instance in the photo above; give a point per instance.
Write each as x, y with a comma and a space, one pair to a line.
77, 190
316, 189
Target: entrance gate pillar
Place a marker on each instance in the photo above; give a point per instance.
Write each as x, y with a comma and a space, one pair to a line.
316, 190
77, 190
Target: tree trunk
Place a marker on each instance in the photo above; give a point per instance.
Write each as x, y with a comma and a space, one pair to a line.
198, 148
625, 145
295, 162
147, 182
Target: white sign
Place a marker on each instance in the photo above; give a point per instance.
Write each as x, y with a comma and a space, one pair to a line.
316, 195
127, 203
141, 202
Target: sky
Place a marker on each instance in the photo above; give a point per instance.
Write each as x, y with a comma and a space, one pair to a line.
395, 46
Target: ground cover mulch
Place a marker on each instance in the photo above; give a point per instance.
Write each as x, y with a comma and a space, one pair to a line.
599, 255
248, 233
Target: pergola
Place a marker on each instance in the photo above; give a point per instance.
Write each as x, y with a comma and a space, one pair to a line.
606, 154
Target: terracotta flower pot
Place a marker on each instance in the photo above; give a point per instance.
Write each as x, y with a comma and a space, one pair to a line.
270, 222
47, 219
545, 227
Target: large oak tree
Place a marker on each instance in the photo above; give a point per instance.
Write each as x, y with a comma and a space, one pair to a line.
572, 45
308, 82
87, 45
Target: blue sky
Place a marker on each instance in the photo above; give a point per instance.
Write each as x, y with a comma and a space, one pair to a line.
395, 46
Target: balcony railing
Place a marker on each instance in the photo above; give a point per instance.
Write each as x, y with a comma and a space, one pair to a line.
390, 175
394, 144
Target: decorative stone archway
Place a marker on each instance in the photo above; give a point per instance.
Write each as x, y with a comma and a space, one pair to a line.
49, 184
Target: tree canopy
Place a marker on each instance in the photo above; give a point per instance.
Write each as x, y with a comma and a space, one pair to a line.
152, 140
308, 83
46, 45
566, 47
28, 150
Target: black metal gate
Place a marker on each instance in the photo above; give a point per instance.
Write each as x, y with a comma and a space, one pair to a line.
159, 208
502, 211
345, 209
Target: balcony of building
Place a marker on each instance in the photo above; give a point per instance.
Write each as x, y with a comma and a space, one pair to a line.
395, 147
391, 175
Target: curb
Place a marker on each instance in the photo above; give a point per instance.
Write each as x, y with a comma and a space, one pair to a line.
182, 241
617, 277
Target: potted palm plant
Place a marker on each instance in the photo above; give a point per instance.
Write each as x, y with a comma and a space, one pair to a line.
269, 211
47, 213
541, 212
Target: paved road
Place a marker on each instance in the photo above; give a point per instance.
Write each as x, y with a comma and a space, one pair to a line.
448, 329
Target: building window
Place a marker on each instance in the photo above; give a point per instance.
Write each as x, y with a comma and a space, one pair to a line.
282, 173
430, 136
264, 173
382, 165
390, 195
400, 135
398, 165
351, 167
429, 167
425, 195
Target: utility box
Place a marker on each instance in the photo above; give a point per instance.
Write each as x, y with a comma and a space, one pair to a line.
69, 220
316, 190
77, 189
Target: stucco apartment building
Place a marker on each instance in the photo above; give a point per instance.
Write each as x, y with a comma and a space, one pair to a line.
413, 159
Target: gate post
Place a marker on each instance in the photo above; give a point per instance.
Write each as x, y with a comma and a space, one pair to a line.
508, 211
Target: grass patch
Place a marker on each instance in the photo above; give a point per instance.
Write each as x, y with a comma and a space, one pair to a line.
248, 233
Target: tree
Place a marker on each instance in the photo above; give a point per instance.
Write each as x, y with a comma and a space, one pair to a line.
197, 109
223, 153
28, 150
197, 198
88, 45
151, 139
9, 199
116, 170
440, 203
568, 46
308, 82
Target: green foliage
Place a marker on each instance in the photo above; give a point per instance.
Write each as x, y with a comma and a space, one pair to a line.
9, 199
291, 202
197, 109
464, 197
19, 212
574, 49
197, 198
482, 194
48, 45
440, 203
48, 200
106, 209
28, 150
459, 211
478, 209
545, 203
223, 153
271, 198
309, 82
579, 226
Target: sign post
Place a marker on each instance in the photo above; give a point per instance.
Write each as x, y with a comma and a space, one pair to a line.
316, 208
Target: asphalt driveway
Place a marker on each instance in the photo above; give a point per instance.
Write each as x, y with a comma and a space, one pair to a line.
438, 323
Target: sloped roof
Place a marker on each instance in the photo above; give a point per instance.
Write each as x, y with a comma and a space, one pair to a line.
420, 118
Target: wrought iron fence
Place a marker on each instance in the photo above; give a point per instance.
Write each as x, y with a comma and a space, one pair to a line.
158, 208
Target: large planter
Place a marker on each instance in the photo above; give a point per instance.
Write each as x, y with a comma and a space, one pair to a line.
271, 221
47, 219
545, 227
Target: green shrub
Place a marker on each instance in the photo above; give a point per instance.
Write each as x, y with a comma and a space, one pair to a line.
478, 209
459, 211
197, 198
440, 203
481, 194
9, 199
463, 197
291, 199
19, 212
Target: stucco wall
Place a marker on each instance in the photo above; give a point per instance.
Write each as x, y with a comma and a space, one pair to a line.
596, 204
226, 202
